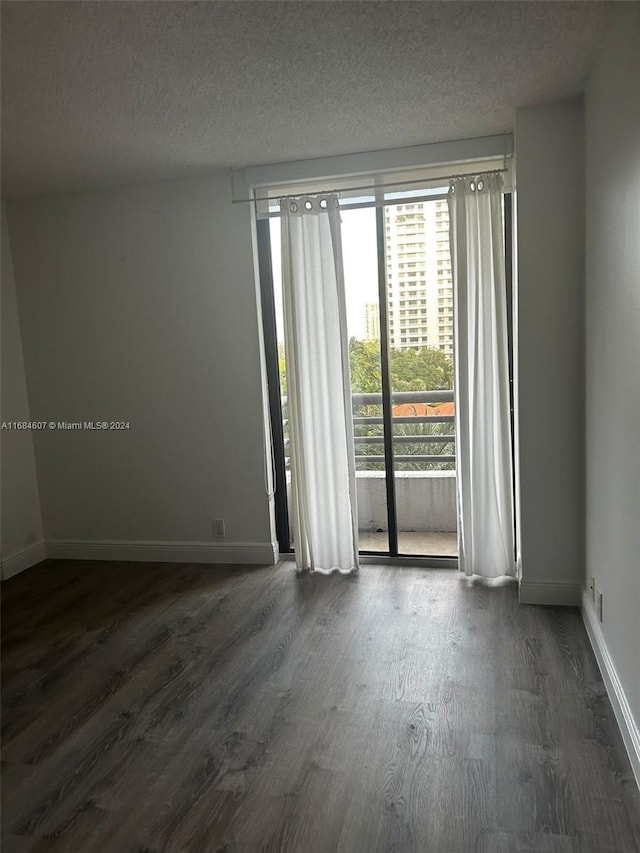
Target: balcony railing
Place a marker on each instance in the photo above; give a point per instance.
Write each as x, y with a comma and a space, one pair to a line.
421, 442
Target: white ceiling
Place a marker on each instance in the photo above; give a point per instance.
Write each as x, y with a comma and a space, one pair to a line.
103, 93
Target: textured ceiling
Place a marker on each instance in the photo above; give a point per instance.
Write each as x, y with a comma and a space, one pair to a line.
103, 93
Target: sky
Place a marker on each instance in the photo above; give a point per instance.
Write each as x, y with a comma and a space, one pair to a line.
359, 256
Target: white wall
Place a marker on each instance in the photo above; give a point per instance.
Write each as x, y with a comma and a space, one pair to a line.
613, 343
550, 349
20, 502
138, 305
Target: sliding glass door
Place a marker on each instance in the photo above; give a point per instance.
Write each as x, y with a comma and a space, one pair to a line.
419, 296
399, 299
366, 360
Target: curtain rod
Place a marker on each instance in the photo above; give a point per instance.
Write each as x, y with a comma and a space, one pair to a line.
423, 181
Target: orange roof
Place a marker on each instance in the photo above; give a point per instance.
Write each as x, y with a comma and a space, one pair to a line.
403, 410
421, 410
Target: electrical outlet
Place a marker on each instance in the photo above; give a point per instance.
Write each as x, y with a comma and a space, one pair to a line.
593, 589
599, 604
218, 528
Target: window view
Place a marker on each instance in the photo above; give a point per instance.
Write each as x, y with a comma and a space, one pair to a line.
406, 479
420, 310
360, 256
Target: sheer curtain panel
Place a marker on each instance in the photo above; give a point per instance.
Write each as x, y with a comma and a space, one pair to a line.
483, 424
323, 485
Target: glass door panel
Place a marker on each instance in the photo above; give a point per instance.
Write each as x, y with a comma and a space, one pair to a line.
279, 418
359, 247
360, 259
399, 304
420, 310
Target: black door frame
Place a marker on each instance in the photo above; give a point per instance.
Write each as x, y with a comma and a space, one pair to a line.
270, 333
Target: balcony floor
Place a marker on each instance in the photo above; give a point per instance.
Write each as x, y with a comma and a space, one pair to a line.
431, 544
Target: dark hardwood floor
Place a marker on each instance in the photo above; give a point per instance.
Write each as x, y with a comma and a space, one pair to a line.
190, 709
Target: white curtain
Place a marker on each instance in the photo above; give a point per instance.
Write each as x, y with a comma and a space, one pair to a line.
483, 425
323, 485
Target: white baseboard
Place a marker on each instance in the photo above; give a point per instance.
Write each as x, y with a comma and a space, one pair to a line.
565, 593
258, 553
23, 559
628, 726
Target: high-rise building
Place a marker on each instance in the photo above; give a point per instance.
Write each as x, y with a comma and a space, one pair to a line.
419, 282
371, 321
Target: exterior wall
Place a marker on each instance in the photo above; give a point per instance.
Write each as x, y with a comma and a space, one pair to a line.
425, 500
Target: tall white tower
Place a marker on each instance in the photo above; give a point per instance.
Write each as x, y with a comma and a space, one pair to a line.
419, 280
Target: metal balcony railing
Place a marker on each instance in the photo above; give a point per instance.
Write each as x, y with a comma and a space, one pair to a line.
421, 442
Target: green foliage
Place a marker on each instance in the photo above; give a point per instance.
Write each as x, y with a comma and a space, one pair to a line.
424, 369
282, 369
424, 448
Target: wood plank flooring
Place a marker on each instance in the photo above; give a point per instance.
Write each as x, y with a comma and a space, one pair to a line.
204, 709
